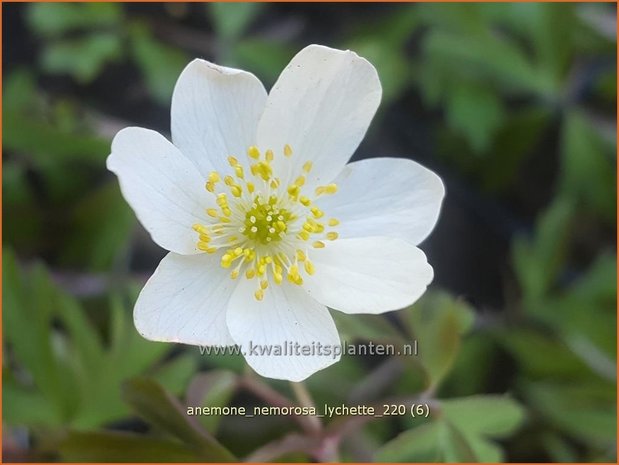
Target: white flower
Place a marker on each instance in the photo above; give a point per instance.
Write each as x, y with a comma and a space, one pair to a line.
265, 223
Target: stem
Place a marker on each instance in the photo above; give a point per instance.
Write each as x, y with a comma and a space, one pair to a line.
305, 400
272, 397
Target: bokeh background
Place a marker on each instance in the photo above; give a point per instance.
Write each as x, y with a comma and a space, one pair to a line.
513, 105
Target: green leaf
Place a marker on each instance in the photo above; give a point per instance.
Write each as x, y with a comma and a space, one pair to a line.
232, 19
551, 27
19, 92
585, 156
559, 448
419, 444
458, 18
493, 416
590, 335
498, 167
82, 58
596, 290
159, 63
48, 145
161, 409
175, 374
585, 410
54, 19
346, 374
86, 342
26, 407
375, 328
127, 355
514, 141
477, 113
105, 235
458, 432
27, 310
456, 447
437, 321
212, 389
484, 59
538, 262
599, 282
129, 352
475, 363
15, 188
485, 451
123, 447
439, 441
526, 345
64, 354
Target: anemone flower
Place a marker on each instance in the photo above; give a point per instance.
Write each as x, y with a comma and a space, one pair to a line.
266, 224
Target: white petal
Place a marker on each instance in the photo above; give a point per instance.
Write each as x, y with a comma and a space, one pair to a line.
385, 197
287, 316
368, 275
321, 106
185, 301
162, 186
215, 113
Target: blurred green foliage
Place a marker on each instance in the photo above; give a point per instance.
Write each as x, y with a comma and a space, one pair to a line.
60, 356
511, 92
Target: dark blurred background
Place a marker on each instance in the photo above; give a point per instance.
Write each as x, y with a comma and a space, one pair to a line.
513, 105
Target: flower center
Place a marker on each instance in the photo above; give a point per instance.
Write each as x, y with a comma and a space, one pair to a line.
268, 230
265, 222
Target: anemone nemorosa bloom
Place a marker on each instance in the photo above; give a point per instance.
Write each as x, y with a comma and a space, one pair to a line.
266, 224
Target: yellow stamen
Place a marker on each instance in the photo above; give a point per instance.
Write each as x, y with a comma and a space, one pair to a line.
253, 152
200, 229
226, 260
317, 212
328, 189
293, 190
236, 190
265, 220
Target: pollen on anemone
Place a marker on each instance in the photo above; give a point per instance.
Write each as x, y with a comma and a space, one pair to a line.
266, 225
266, 228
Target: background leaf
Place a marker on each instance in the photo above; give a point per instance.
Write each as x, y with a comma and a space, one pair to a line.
158, 407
